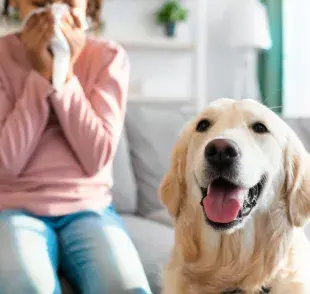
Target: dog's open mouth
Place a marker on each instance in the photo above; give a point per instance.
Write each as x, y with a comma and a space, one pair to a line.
225, 204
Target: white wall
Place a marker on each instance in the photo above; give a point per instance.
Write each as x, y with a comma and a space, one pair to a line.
296, 58
170, 75
220, 57
155, 73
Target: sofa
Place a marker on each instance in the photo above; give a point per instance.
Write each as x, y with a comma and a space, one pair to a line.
142, 158
140, 162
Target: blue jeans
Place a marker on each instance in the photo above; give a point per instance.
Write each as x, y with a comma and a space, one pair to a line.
93, 251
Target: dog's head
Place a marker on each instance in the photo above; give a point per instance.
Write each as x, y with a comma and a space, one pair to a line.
236, 160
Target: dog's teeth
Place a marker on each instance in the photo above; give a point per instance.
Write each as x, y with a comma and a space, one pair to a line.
246, 210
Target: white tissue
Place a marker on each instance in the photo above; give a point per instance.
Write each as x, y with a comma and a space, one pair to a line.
58, 45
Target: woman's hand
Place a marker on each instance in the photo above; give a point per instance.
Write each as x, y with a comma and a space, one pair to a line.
36, 37
72, 29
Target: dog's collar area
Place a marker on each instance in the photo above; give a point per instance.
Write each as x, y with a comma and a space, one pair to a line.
264, 290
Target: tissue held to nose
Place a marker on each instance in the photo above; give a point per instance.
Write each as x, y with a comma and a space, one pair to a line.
58, 43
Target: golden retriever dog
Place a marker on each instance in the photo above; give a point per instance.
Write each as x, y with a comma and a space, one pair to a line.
238, 190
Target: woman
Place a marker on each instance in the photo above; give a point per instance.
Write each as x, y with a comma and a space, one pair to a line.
56, 153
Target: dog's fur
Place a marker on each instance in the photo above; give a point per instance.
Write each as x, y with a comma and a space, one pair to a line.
269, 248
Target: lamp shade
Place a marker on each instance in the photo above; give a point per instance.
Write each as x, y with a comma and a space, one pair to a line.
248, 25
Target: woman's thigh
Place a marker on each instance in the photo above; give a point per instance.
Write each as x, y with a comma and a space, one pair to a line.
28, 255
98, 256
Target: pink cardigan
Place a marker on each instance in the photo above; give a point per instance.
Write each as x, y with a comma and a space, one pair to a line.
56, 148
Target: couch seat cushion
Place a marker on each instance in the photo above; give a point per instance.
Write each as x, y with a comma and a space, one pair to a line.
154, 243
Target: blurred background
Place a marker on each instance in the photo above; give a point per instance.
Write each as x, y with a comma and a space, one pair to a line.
194, 51
185, 54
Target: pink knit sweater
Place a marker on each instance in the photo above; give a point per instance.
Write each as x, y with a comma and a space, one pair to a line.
56, 148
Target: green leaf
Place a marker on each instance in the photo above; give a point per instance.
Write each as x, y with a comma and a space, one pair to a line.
171, 11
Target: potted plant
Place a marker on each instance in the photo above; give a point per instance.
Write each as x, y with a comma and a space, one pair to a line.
169, 14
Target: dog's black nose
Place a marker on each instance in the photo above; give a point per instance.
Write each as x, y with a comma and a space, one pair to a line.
222, 152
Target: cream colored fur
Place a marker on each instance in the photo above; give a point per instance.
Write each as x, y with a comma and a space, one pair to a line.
269, 248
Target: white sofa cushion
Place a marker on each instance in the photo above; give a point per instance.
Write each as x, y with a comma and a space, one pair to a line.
152, 132
154, 243
124, 190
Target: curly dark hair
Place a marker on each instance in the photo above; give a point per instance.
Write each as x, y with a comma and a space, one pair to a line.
6, 8
93, 10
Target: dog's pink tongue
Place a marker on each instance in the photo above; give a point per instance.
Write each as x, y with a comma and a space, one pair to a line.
222, 204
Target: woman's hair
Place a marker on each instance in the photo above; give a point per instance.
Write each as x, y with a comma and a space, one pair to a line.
93, 10
6, 8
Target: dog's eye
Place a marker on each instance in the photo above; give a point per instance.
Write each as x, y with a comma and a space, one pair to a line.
259, 128
203, 125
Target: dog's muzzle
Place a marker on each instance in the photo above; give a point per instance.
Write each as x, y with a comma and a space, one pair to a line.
226, 201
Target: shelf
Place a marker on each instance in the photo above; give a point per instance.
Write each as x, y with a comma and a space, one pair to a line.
144, 98
151, 43
148, 43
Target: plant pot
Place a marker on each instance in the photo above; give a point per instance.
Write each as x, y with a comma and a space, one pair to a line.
170, 29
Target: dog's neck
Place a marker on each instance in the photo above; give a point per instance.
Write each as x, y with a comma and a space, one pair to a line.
248, 258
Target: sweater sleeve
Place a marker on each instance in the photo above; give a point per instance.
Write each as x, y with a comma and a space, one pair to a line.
22, 122
92, 125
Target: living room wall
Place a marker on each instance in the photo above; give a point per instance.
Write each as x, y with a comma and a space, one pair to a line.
169, 75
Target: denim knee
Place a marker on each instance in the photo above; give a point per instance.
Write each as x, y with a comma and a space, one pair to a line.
26, 266
19, 283
93, 285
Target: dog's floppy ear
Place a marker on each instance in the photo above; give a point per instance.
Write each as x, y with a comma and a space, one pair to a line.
173, 194
297, 184
173, 186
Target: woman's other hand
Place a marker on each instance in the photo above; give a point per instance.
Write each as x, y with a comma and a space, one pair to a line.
36, 37
73, 31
